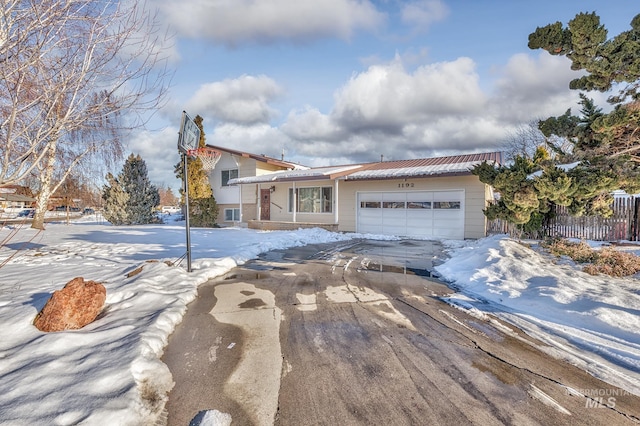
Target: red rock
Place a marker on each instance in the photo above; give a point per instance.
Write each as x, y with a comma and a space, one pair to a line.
73, 307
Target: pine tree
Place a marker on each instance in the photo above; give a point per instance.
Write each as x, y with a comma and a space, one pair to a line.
203, 209
143, 196
604, 146
115, 202
131, 197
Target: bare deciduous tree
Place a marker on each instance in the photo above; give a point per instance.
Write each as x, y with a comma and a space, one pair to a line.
75, 77
523, 141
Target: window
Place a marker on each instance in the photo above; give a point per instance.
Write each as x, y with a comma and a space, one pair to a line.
312, 200
419, 204
370, 204
227, 175
393, 205
232, 215
446, 205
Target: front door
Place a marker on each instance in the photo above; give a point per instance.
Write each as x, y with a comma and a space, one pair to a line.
265, 204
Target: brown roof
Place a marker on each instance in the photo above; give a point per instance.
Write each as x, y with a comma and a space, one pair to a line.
455, 165
423, 167
257, 157
436, 161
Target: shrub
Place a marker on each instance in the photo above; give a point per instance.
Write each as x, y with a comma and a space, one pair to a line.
608, 260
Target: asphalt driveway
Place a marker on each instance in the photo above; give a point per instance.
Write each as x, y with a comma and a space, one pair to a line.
356, 333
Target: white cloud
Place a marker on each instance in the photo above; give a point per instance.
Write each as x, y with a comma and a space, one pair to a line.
421, 14
534, 88
389, 110
311, 125
240, 100
387, 97
257, 138
237, 21
159, 150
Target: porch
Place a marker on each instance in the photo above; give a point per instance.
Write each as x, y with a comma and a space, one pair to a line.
272, 225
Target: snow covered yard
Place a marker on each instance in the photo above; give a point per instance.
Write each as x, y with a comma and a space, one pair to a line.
110, 373
591, 321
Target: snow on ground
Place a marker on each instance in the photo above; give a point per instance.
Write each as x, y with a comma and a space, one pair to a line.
591, 321
110, 373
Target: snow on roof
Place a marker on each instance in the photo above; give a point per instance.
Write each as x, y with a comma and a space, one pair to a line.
437, 169
317, 173
458, 164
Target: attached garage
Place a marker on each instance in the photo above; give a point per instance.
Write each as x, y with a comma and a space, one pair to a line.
423, 214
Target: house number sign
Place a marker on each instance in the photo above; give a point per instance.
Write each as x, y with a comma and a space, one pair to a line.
406, 185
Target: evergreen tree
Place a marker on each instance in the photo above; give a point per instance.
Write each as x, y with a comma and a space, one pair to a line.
607, 141
203, 209
143, 196
131, 198
604, 147
115, 202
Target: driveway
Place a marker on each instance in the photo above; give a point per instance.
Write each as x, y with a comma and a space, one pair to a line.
356, 333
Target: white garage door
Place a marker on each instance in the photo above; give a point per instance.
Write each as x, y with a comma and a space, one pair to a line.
424, 214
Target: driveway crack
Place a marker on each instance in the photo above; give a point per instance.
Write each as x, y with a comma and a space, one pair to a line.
502, 360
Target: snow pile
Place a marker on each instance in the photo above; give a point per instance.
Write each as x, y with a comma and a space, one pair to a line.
594, 320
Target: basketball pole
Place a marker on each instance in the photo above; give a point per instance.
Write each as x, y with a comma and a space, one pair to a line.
186, 208
188, 138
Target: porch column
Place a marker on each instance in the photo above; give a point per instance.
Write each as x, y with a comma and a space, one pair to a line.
240, 192
259, 215
295, 202
335, 205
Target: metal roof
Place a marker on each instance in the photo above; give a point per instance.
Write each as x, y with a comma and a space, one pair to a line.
423, 167
317, 173
451, 165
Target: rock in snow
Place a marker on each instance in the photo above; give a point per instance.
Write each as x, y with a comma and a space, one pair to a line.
73, 307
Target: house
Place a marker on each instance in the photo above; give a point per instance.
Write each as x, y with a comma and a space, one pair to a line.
237, 164
423, 198
15, 198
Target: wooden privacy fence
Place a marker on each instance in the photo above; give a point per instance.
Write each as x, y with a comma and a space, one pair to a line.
624, 224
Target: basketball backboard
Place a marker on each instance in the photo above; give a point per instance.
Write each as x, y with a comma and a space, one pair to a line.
189, 137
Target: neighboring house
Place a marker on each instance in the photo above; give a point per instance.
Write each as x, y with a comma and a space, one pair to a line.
234, 164
11, 199
425, 198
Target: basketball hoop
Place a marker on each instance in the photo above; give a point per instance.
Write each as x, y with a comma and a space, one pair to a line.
208, 156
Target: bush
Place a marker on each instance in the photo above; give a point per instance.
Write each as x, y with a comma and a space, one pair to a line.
608, 260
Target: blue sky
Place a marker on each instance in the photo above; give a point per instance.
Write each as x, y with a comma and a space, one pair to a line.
343, 81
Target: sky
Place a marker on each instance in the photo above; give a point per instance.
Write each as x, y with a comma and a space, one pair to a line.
111, 372
345, 81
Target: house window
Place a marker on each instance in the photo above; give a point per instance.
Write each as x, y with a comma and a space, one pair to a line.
317, 199
446, 205
419, 204
227, 175
393, 205
232, 215
370, 204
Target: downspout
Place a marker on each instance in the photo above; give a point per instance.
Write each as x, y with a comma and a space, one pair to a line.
295, 202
